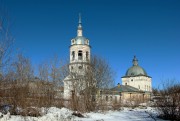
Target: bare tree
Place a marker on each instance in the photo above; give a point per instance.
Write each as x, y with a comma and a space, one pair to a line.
23, 75
43, 70
6, 39
50, 80
55, 71
168, 104
64, 68
16, 87
6, 42
23, 68
95, 76
102, 72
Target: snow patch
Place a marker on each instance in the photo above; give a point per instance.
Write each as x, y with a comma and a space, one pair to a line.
64, 114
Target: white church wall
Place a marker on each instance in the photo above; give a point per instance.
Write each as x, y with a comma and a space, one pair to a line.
67, 89
139, 82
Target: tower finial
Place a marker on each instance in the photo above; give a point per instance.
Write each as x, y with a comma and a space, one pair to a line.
135, 61
79, 18
79, 31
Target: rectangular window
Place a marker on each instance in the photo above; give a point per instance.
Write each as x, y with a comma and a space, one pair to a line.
80, 56
87, 55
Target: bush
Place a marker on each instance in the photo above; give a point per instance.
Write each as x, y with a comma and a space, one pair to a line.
169, 103
35, 112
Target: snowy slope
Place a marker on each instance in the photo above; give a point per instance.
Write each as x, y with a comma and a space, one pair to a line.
63, 114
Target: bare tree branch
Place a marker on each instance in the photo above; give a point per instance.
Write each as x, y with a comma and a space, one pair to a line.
6, 39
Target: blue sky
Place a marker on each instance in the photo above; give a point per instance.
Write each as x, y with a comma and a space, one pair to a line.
117, 30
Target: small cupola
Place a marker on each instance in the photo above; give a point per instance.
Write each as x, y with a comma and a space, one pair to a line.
135, 61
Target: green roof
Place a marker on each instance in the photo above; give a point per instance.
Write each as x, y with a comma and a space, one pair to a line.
125, 88
136, 70
122, 89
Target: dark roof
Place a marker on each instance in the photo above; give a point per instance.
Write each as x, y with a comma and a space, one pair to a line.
125, 88
122, 88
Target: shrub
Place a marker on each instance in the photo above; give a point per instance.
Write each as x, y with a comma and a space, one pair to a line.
169, 103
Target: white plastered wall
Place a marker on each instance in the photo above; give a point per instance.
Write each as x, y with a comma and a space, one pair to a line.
140, 82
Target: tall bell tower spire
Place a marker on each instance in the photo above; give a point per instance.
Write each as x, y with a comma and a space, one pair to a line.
79, 30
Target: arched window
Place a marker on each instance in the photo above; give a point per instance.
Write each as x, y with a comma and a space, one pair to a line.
73, 55
87, 55
72, 41
80, 55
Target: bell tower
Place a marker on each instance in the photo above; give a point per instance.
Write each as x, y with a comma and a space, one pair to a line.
79, 56
79, 51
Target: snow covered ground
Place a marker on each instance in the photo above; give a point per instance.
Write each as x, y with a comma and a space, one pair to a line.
63, 114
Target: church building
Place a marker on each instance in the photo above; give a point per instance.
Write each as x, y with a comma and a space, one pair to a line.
136, 86
137, 77
136, 83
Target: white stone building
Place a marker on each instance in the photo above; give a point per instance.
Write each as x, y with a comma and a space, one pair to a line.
137, 77
79, 62
136, 87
